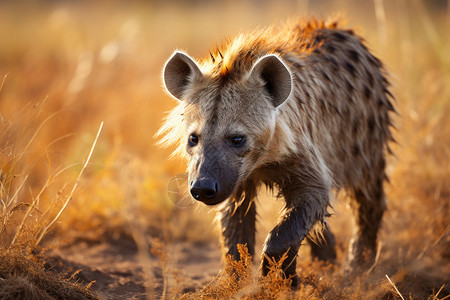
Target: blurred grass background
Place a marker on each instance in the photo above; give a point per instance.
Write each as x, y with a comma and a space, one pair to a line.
66, 66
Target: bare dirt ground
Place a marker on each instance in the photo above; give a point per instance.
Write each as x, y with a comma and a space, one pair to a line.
117, 272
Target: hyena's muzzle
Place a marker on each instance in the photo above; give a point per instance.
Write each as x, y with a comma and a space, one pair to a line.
212, 178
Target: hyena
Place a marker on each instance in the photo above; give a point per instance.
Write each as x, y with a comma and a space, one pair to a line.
304, 108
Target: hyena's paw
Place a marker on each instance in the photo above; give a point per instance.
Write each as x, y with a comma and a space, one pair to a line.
360, 259
280, 267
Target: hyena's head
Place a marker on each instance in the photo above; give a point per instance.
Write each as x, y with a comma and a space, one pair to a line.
225, 122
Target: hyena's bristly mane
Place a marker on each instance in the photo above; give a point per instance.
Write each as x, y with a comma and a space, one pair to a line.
234, 57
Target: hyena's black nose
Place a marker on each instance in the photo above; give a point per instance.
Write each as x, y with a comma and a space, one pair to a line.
204, 190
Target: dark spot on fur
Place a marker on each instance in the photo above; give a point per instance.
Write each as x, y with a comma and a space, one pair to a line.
308, 94
367, 92
322, 102
355, 126
248, 55
380, 102
339, 36
237, 64
350, 68
354, 56
330, 48
356, 151
369, 78
378, 192
336, 110
383, 101
297, 65
371, 124
379, 180
333, 63
349, 87
319, 38
324, 108
325, 75
310, 129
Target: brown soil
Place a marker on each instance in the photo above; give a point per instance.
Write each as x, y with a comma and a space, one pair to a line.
115, 267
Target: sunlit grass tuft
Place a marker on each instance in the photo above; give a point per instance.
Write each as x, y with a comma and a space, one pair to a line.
25, 219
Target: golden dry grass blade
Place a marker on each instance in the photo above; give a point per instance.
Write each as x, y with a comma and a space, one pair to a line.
395, 287
440, 237
435, 297
381, 21
3, 82
41, 125
6, 213
16, 193
73, 189
59, 139
33, 205
35, 202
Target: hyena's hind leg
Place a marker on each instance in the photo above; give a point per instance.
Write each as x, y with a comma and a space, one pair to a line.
369, 206
323, 244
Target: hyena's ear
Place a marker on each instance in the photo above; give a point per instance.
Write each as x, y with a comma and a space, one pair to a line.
179, 71
276, 75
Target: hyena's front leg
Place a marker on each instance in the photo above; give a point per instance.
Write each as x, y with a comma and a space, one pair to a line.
304, 208
237, 222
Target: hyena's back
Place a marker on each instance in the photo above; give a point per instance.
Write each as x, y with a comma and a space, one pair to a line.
340, 100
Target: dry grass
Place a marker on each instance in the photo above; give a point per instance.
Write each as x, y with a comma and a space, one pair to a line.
24, 277
65, 67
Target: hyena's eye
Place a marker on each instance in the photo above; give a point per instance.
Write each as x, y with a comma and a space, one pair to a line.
237, 141
193, 140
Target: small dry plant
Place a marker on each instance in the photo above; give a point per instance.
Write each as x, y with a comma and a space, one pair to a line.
237, 281
235, 276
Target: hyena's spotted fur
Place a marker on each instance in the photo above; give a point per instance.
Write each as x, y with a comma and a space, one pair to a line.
304, 108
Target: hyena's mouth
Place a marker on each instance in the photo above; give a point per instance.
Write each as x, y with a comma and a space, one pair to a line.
211, 203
